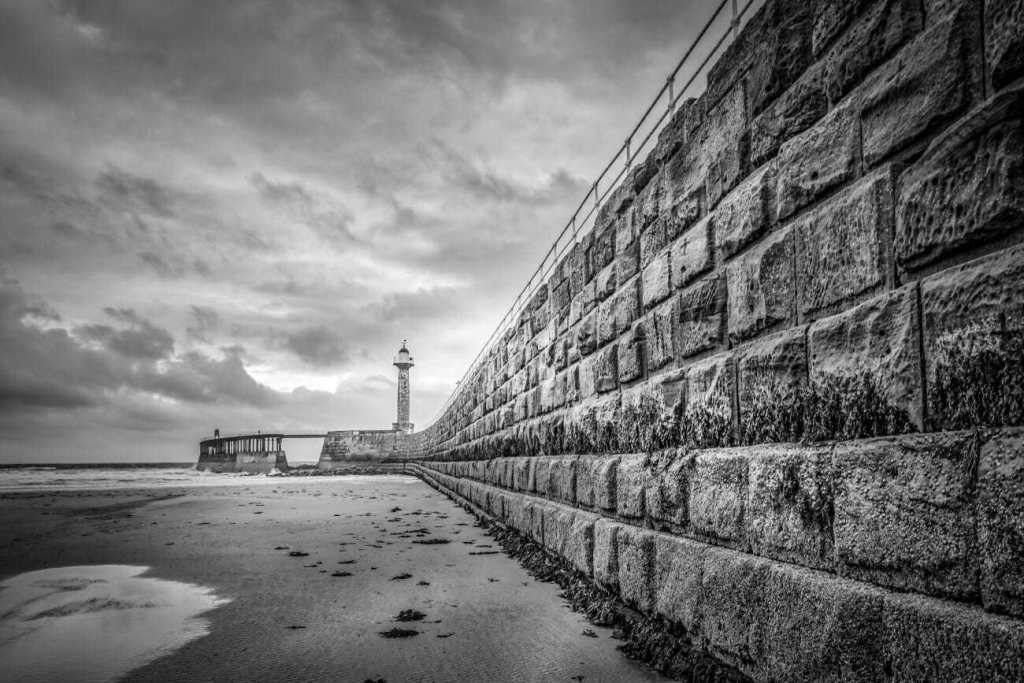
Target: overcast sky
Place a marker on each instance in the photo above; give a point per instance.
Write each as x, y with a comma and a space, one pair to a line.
229, 215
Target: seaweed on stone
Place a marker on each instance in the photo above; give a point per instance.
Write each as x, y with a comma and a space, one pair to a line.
774, 414
977, 379
645, 425
706, 425
843, 407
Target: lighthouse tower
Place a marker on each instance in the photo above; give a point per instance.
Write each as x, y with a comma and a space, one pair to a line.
403, 361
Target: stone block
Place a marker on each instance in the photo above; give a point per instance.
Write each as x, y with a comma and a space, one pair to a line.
627, 264
652, 242
579, 546
595, 481
562, 479
709, 407
586, 337
679, 564
747, 212
516, 514
932, 79
630, 358
679, 129
657, 280
843, 247
793, 112
904, 513
636, 564
631, 478
588, 377
605, 283
816, 627
1004, 40
724, 144
666, 495
701, 308
968, 187
878, 342
876, 34
1001, 522
761, 286
606, 374
771, 52
768, 372
973, 321
557, 528
691, 254
816, 161
788, 511
606, 554
542, 475
718, 495
626, 306
733, 606
602, 252
659, 330
936, 640
535, 519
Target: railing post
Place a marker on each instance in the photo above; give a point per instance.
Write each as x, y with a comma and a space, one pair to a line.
671, 93
735, 23
628, 158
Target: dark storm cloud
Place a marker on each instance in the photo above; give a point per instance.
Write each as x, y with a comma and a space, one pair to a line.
318, 346
128, 192
205, 320
137, 338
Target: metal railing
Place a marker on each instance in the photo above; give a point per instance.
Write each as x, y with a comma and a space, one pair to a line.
577, 225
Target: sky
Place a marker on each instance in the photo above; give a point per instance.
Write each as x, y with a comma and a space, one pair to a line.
230, 215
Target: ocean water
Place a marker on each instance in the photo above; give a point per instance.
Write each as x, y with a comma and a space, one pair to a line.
114, 476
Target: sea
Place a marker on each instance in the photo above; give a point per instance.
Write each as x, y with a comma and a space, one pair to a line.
93, 476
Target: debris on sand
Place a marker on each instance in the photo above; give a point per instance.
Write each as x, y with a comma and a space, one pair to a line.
395, 509
445, 635
401, 576
410, 615
297, 553
346, 561
341, 573
589, 633
423, 583
399, 633
486, 552
280, 547
432, 541
296, 627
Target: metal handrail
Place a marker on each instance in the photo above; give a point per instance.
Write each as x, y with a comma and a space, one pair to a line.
574, 224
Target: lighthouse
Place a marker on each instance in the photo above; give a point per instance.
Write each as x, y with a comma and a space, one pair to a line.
403, 361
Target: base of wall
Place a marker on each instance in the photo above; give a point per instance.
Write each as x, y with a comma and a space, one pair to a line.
663, 646
249, 463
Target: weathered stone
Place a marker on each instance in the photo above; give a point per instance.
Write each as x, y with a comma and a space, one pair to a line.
768, 370
1001, 522
972, 314
761, 286
542, 476
606, 554
724, 144
595, 481
701, 309
523, 474
558, 522
562, 479
606, 321
904, 513
817, 160
788, 511
626, 306
631, 478
602, 252
606, 372
934, 77
657, 280
659, 330
589, 297
535, 519
816, 627
652, 241
870, 40
691, 254
717, 496
636, 567
968, 187
771, 52
878, 341
647, 207
625, 232
630, 358
733, 605
586, 336
627, 264
936, 640
679, 563
746, 213
679, 129
831, 17
588, 377
1004, 40
790, 114
666, 495
605, 283
842, 248
579, 546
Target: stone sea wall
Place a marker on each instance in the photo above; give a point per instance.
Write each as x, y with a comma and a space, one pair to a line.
775, 396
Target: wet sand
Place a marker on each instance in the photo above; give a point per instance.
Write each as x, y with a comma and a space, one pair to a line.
318, 616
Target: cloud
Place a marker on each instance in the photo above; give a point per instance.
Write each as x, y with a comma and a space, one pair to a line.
129, 192
139, 338
318, 346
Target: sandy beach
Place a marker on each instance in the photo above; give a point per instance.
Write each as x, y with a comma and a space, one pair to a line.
314, 570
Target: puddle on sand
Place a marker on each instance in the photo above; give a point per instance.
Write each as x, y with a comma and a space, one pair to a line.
94, 622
